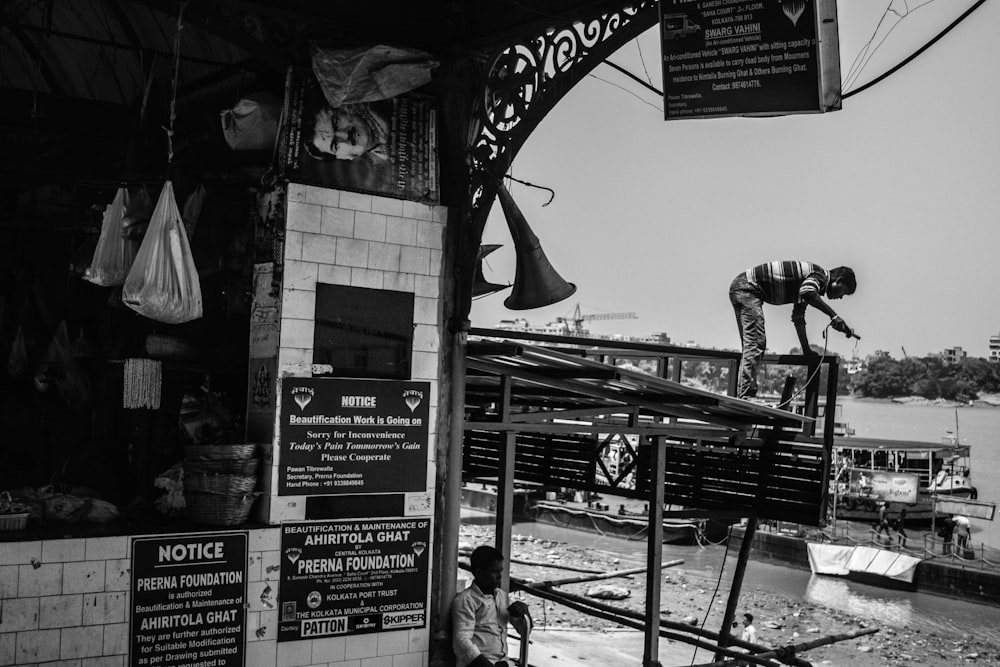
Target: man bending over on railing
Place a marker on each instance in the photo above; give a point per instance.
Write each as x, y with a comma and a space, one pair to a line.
777, 283
480, 613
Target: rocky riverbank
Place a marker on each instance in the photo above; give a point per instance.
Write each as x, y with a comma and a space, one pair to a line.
780, 621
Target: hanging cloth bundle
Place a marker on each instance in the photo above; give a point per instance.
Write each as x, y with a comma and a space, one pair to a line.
142, 384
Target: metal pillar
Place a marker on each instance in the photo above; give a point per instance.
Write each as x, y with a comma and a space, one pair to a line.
505, 483
654, 554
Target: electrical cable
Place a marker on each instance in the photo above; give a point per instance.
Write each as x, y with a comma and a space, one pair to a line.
718, 584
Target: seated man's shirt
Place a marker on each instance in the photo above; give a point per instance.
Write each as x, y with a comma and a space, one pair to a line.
479, 625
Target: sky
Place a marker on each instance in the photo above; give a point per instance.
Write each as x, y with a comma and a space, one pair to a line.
657, 217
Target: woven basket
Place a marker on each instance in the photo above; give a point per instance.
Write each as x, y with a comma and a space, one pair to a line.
226, 466
218, 452
219, 483
16, 521
217, 509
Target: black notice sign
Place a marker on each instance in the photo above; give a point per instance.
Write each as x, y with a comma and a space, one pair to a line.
189, 600
736, 58
353, 577
347, 435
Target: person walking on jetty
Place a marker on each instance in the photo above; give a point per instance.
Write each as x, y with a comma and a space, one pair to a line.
946, 533
799, 283
883, 522
901, 527
480, 613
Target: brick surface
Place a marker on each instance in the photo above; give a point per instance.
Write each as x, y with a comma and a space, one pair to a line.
353, 253
322, 196
368, 278
401, 230
415, 260
102, 608
356, 201
61, 551
330, 649
294, 654
361, 646
117, 574
103, 548
83, 577
304, 217
319, 248
43, 580
19, 614
391, 643
370, 226
8, 581
19, 553
116, 638
383, 256
334, 275
387, 206
338, 222
37, 646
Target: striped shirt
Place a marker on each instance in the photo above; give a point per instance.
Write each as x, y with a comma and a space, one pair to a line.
788, 282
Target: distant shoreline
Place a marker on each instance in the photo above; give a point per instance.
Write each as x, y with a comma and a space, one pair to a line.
984, 401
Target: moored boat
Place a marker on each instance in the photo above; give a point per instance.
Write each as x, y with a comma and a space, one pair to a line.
902, 473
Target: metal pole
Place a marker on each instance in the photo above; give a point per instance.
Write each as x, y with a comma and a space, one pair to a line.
654, 554
505, 482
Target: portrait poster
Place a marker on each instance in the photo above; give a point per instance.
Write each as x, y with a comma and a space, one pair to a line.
388, 147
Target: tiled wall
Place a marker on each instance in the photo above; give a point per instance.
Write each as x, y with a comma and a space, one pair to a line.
346, 238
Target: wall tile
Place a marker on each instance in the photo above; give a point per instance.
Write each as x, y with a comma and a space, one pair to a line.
424, 366
61, 551
366, 278
345, 663
427, 286
105, 661
370, 226
297, 192
253, 564
430, 234
116, 638
103, 548
425, 311
44, 580
330, 649
426, 338
408, 660
270, 564
322, 196
8, 581
293, 245
262, 595
319, 248
261, 654
37, 646
304, 217
401, 230
102, 608
384, 661
266, 628
400, 282
383, 256
440, 213
265, 539
81, 642
289, 357
117, 573
298, 304
60, 611
294, 654
19, 553
300, 275
355, 201
416, 210
338, 222
415, 260
420, 640
391, 643
387, 206
297, 333
8, 644
436, 256
19, 614
361, 646
83, 577
352, 252
334, 275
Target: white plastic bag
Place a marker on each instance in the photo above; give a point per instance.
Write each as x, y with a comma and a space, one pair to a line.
163, 284
114, 253
253, 123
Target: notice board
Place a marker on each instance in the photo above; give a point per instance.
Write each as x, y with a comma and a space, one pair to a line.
188, 603
352, 577
736, 58
350, 435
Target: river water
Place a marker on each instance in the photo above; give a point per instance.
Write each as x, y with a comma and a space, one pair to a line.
977, 427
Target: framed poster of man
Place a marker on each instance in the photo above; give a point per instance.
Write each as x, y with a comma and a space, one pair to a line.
388, 147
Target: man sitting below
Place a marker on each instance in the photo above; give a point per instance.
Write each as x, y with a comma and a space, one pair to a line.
480, 614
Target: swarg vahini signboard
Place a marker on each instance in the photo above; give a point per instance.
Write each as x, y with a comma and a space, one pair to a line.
188, 602
348, 435
352, 577
736, 58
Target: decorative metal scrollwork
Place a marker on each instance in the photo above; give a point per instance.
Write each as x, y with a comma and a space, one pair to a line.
526, 79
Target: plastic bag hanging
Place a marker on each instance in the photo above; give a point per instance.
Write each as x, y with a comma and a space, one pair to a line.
114, 253
163, 284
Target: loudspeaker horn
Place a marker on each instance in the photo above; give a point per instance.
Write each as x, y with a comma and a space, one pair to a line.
481, 286
536, 283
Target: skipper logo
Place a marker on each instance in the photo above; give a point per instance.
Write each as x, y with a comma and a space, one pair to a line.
403, 619
303, 396
413, 398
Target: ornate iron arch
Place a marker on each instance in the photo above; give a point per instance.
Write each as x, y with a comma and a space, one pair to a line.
523, 82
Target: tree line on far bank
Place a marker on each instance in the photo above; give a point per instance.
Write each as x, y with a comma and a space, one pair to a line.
928, 377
